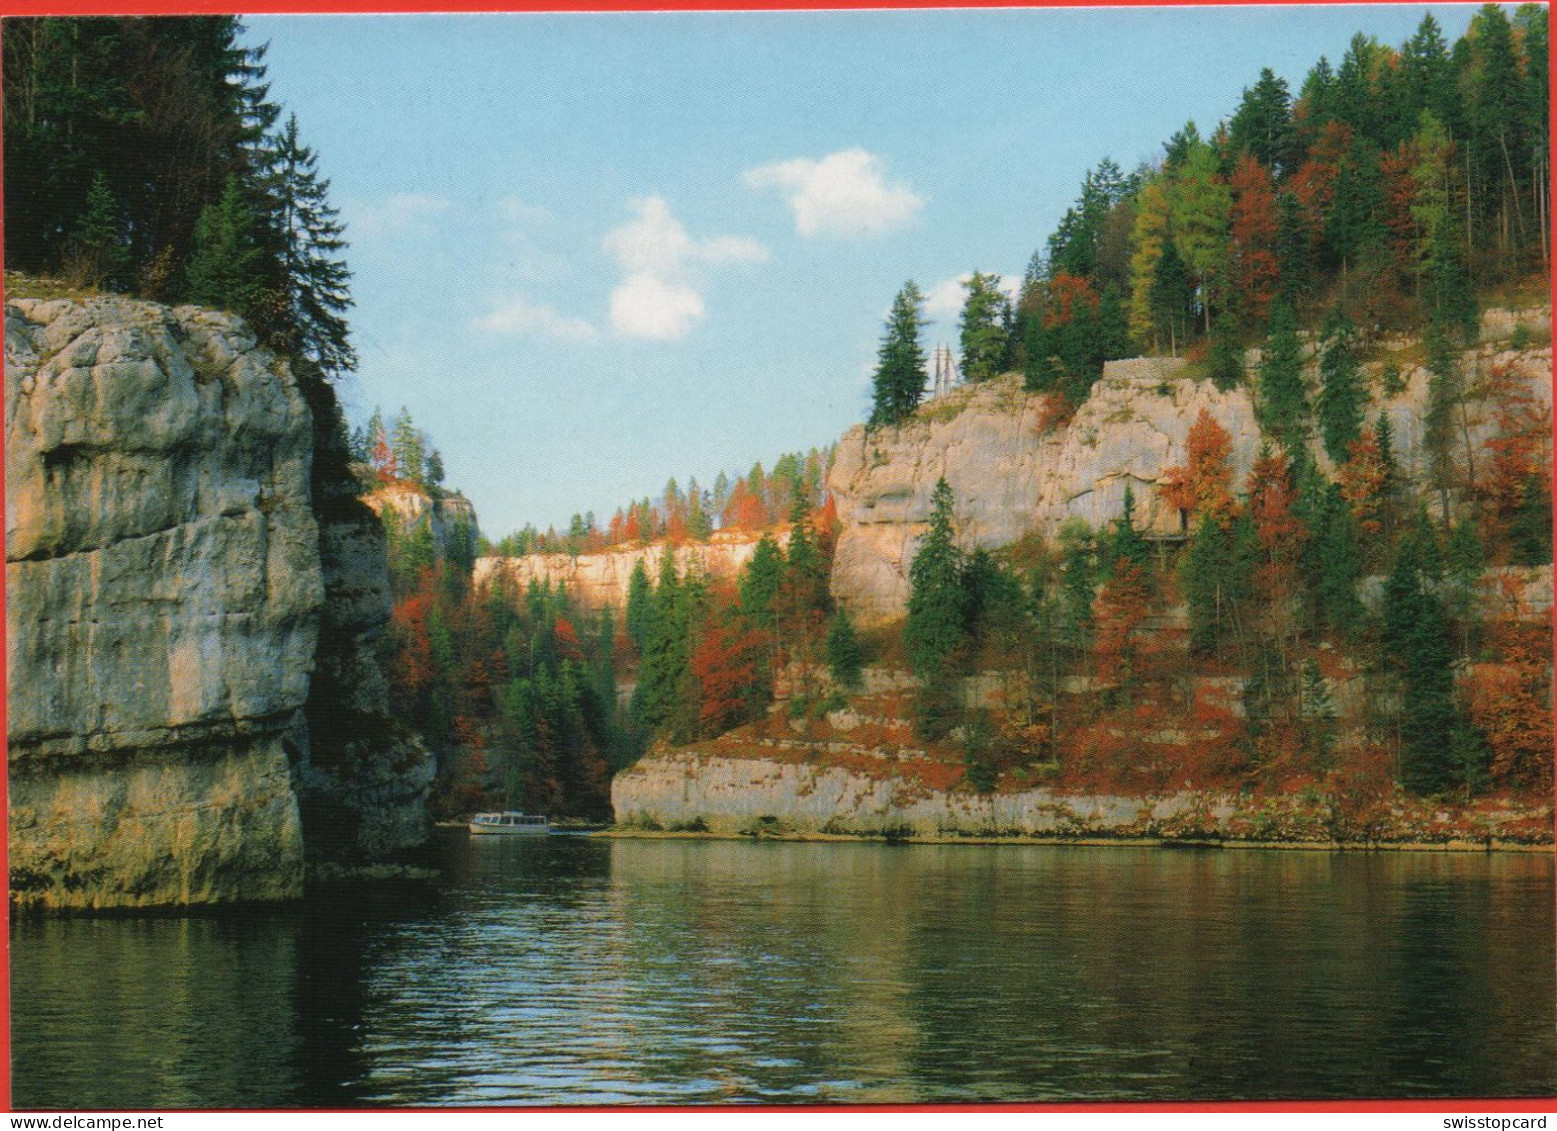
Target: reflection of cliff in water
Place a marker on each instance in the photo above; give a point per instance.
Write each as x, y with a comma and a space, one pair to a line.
243, 1009
576, 970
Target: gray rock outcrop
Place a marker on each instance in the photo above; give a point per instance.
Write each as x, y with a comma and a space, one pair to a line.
165, 598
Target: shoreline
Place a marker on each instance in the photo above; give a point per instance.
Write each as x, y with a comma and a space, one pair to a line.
1456, 846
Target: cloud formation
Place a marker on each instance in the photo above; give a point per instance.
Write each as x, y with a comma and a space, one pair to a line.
660, 299
400, 214
945, 299
518, 315
844, 194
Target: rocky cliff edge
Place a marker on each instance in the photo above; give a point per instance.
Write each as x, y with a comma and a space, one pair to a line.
165, 593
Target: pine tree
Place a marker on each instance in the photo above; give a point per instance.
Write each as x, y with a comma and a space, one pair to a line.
900, 370
226, 268
1128, 546
640, 607
984, 328
1262, 124
935, 603
758, 584
99, 251
1341, 393
408, 447
313, 280
1417, 640
1283, 401
843, 653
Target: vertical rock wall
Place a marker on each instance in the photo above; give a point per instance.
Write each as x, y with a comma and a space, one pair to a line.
167, 606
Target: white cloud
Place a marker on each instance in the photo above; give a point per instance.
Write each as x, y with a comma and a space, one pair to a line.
518, 315
400, 214
656, 242
945, 299
843, 194
647, 306
660, 298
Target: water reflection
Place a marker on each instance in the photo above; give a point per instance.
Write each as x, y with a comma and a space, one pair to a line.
586, 971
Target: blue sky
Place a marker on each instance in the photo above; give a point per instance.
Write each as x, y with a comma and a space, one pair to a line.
593, 251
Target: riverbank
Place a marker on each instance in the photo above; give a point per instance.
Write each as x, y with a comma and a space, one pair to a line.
1466, 846
733, 794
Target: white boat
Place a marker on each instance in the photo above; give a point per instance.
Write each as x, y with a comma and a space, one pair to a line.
509, 824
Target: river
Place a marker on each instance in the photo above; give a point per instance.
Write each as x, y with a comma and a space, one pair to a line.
575, 970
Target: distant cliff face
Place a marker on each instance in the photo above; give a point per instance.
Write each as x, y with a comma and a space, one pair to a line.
165, 594
1011, 477
597, 581
410, 505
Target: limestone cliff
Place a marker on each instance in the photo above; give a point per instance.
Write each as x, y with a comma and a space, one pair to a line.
165, 597
600, 580
739, 793
1011, 474
411, 505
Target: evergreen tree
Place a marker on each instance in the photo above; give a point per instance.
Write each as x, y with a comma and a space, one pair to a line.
666, 651
1128, 546
1215, 578
1283, 401
227, 268
1418, 643
1341, 393
1335, 562
313, 280
99, 252
843, 653
640, 607
1262, 124
1172, 298
1531, 531
935, 603
1224, 363
408, 447
984, 328
900, 370
758, 584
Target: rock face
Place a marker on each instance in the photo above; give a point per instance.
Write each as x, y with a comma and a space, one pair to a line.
752, 795
410, 505
1012, 476
165, 597
600, 580
362, 779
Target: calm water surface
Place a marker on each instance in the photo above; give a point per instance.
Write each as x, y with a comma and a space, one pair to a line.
572, 970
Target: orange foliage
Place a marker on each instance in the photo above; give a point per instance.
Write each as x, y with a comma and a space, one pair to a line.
1201, 486
1252, 231
1362, 479
411, 666
727, 666
1518, 447
745, 510
1510, 699
1054, 412
1400, 196
1065, 291
1314, 182
566, 637
1121, 608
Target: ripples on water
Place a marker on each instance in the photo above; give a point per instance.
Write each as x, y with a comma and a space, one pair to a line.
573, 970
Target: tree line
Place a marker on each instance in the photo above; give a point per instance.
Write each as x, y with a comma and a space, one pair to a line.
145, 156
756, 501
1390, 189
